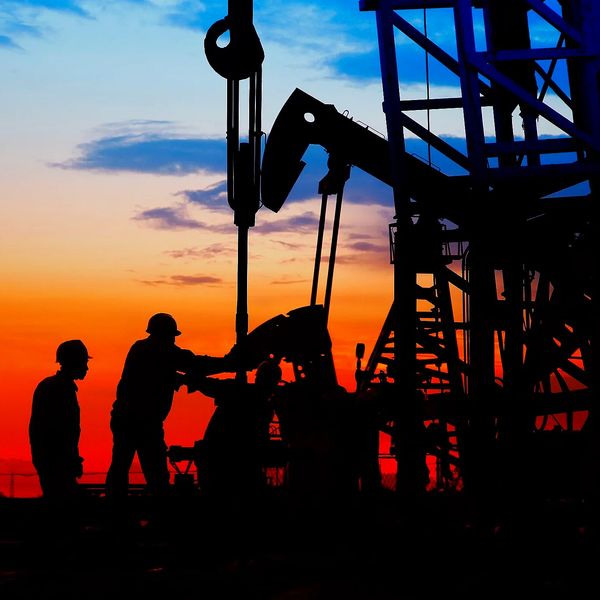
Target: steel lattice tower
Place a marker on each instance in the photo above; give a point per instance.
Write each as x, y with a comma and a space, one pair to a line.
493, 253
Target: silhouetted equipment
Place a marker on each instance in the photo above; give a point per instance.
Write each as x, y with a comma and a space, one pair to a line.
243, 54
493, 254
241, 58
183, 481
299, 338
484, 360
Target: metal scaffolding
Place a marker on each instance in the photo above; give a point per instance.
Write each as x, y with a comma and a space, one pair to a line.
502, 348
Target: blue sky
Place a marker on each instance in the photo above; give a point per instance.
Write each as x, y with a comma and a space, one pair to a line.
132, 78
122, 89
112, 115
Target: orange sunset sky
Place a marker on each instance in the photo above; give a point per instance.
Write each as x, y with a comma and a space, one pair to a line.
112, 169
109, 113
98, 277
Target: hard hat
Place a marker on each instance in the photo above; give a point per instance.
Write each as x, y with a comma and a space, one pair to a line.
162, 324
71, 351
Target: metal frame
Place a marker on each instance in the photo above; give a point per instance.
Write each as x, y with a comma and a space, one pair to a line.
496, 221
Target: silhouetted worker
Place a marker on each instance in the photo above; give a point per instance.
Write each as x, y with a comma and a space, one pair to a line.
54, 431
153, 371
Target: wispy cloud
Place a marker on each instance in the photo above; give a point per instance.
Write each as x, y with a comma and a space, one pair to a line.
289, 245
212, 251
69, 6
156, 153
344, 259
367, 247
359, 236
306, 222
184, 280
24, 18
169, 217
334, 34
192, 14
7, 42
213, 197
155, 147
288, 281
27, 16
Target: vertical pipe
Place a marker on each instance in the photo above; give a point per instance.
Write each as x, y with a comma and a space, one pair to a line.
233, 134
241, 316
257, 132
240, 59
319, 250
332, 253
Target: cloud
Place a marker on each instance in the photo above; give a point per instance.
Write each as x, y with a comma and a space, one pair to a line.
306, 222
169, 217
363, 66
213, 197
367, 247
184, 280
68, 6
193, 14
288, 281
139, 127
288, 245
189, 14
156, 153
20, 18
364, 252
152, 147
7, 42
344, 258
330, 34
212, 251
360, 236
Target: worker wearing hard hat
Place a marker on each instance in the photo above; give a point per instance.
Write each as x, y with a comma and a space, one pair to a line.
153, 371
54, 425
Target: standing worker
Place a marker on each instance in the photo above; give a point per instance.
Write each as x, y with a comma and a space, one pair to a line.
153, 371
54, 430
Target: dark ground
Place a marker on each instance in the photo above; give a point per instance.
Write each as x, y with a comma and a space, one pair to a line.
376, 550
